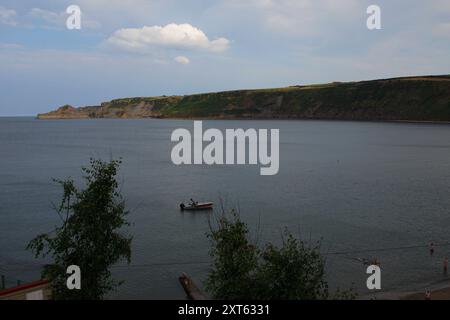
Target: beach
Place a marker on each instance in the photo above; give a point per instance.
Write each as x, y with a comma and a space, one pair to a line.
438, 294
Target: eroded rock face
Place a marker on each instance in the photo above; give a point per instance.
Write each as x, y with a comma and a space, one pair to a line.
425, 98
64, 112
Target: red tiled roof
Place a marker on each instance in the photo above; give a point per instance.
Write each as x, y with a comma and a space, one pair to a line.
24, 286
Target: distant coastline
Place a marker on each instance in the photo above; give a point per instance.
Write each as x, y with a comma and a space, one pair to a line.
407, 99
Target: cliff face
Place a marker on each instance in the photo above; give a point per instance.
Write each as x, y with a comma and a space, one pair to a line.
424, 98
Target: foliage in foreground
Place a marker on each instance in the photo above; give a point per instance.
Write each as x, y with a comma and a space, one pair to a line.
89, 236
241, 270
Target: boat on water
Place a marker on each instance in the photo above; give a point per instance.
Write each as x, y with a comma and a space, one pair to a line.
195, 205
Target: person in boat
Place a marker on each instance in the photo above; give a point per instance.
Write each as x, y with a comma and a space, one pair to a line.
445, 265
193, 203
431, 249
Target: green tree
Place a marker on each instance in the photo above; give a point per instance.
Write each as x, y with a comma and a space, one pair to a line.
294, 271
240, 270
90, 235
234, 259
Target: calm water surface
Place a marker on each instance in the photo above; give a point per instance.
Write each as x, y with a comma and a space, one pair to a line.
359, 186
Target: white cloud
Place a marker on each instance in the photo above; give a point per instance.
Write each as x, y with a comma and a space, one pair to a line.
295, 17
49, 17
182, 60
172, 36
7, 16
310, 17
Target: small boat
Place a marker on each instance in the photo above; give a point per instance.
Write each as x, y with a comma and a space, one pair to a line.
196, 206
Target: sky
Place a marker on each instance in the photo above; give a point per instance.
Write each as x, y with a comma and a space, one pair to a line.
128, 48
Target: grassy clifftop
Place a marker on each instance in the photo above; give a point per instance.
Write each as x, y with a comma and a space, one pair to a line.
424, 98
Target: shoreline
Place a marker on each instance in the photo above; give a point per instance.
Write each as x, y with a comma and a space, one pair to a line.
239, 119
440, 294
439, 291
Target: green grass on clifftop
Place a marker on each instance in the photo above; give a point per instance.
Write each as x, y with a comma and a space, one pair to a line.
421, 98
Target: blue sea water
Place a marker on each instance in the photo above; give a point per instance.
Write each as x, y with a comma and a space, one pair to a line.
361, 187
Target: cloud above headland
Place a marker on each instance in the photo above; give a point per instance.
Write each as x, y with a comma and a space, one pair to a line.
182, 60
171, 36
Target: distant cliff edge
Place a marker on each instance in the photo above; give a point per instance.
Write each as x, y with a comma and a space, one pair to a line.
422, 98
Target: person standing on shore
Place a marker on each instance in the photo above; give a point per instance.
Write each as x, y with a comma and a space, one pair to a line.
428, 295
445, 265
